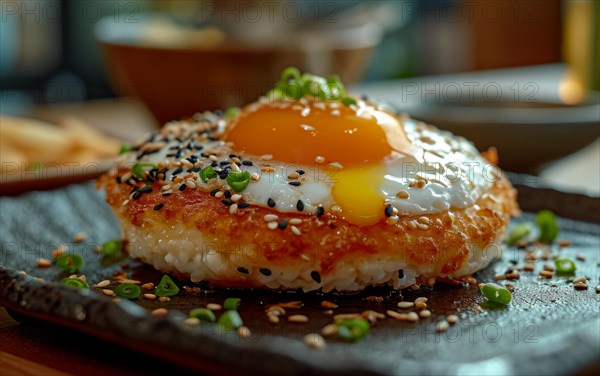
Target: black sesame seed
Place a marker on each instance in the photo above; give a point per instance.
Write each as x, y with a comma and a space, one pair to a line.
243, 270
214, 192
176, 147
265, 271
178, 139
227, 202
146, 189
177, 171
219, 112
118, 179
247, 163
243, 205
400, 274
227, 194
316, 276
182, 187
212, 138
223, 163
194, 169
271, 202
137, 195
320, 212
282, 225
166, 194
159, 206
300, 205
300, 172
294, 183
232, 156
204, 155
214, 164
389, 210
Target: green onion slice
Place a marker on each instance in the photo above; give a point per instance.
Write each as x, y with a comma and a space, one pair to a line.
230, 320
546, 222
69, 263
125, 148
112, 248
75, 282
138, 168
166, 287
232, 303
518, 232
353, 330
207, 173
294, 85
128, 291
564, 265
238, 181
203, 314
232, 112
496, 293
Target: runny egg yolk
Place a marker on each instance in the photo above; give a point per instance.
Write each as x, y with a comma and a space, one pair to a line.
359, 140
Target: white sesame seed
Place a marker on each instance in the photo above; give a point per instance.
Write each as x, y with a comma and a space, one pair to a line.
108, 292
233, 208
255, 176
43, 263
164, 299
219, 194
412, 225
598, 289
319, 159
295, 221
160, 312
452, 319
305, 112
307, 128
421, 226
298, 318
79, 237
266, 157
441, 326
425, 313
270, 217
314, 340
125, 203
273, 318
244, 332
272, 225
335, 112
102, 284
165, 187
421, 299
392, 220
412, 316
423, 220
190, 183
421, 305
235, 167
214, 306
296, 230
580, 280
329, 330
405, 305
402, 194
191, 321
294, 175
236, 197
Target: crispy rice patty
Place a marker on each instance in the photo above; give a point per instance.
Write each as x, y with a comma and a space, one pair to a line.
194, 235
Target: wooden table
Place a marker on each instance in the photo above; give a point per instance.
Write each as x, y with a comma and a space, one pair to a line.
32, 348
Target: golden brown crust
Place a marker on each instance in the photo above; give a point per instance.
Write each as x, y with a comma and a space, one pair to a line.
442, 239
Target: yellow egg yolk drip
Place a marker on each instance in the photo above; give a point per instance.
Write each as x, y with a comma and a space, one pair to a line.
313, 134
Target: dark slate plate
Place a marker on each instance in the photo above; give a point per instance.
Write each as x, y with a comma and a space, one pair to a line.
549, 328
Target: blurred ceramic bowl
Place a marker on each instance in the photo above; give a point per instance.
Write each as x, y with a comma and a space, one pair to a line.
178, 71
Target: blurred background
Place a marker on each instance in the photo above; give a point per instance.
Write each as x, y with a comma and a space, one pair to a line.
519, 75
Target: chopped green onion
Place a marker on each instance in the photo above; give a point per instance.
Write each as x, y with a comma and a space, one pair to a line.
348, 101
518, 232
125, 148
207, 173
138, 168
232, 112
294, 85
232, 303
238, 181
230, 320
290, 72
75, 282
564, 265
353, 330
203, 314
546, 222
69, 263
166, 287
496, 293
112, 248
128, 291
